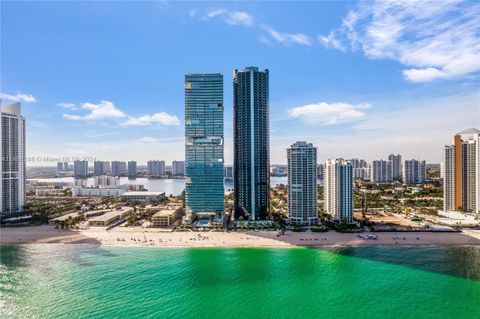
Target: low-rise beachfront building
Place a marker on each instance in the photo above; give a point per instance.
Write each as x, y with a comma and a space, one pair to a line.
110, 217
164, 218
87, 215
49, 192
144, 197
110, 191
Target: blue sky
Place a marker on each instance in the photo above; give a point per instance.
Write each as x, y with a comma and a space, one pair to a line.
357, 79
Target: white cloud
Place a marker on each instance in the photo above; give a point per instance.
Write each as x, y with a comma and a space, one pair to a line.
19, 97
161, 118
192, 13
247, 20
435, 40
148, 139
229, 17
69, 106
105, 110
329, 113
331, 41
287, 38
239, 18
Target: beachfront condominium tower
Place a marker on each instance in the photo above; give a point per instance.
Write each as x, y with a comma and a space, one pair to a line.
12, 152
302, 184
204, 191
251, 146
338, 190
156, 168
396, 166
132, 169
80, 169
414, 171
461, 175
118, 168
100, 168
178, 168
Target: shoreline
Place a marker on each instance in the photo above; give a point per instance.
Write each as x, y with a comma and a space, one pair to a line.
149, 237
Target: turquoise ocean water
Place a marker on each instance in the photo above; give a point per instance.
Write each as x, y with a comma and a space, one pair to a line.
86, 281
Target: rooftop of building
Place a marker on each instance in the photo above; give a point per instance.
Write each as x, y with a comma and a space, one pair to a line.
164, 213
143, 193
111, 214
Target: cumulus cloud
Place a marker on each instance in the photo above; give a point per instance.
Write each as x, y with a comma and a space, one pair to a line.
324, 113
229, 17
161, 118
105, 110
19, 97
434, 41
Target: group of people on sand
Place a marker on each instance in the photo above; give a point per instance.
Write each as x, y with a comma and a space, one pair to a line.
307, 239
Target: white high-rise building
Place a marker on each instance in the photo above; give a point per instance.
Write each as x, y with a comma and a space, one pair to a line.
396, 166
302, 184
338, 189
12, 152
414, 171
178, 168
381, 171
461, 175
156, 168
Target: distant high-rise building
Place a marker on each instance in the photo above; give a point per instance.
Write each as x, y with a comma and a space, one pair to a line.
132, 169
414, 172
12, 152
80, 169
228, 173
358, 163
118, 168
360, 168
156, 168
59, 166
178, 168
362, 173
251, 143
381, 171
338, 190
320, 170
396, 166
100, 168
302, 184
461, 184
65, 166
204, 189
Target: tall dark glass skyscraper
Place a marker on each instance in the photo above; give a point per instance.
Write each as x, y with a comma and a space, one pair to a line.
204, 191
251, 143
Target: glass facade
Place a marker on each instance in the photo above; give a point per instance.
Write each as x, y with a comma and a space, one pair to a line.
204, 190
12, 168
251, 143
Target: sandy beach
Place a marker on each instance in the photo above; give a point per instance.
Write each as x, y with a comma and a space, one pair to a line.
137, 236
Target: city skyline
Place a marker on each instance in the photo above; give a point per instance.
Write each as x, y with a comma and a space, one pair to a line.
344, 97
